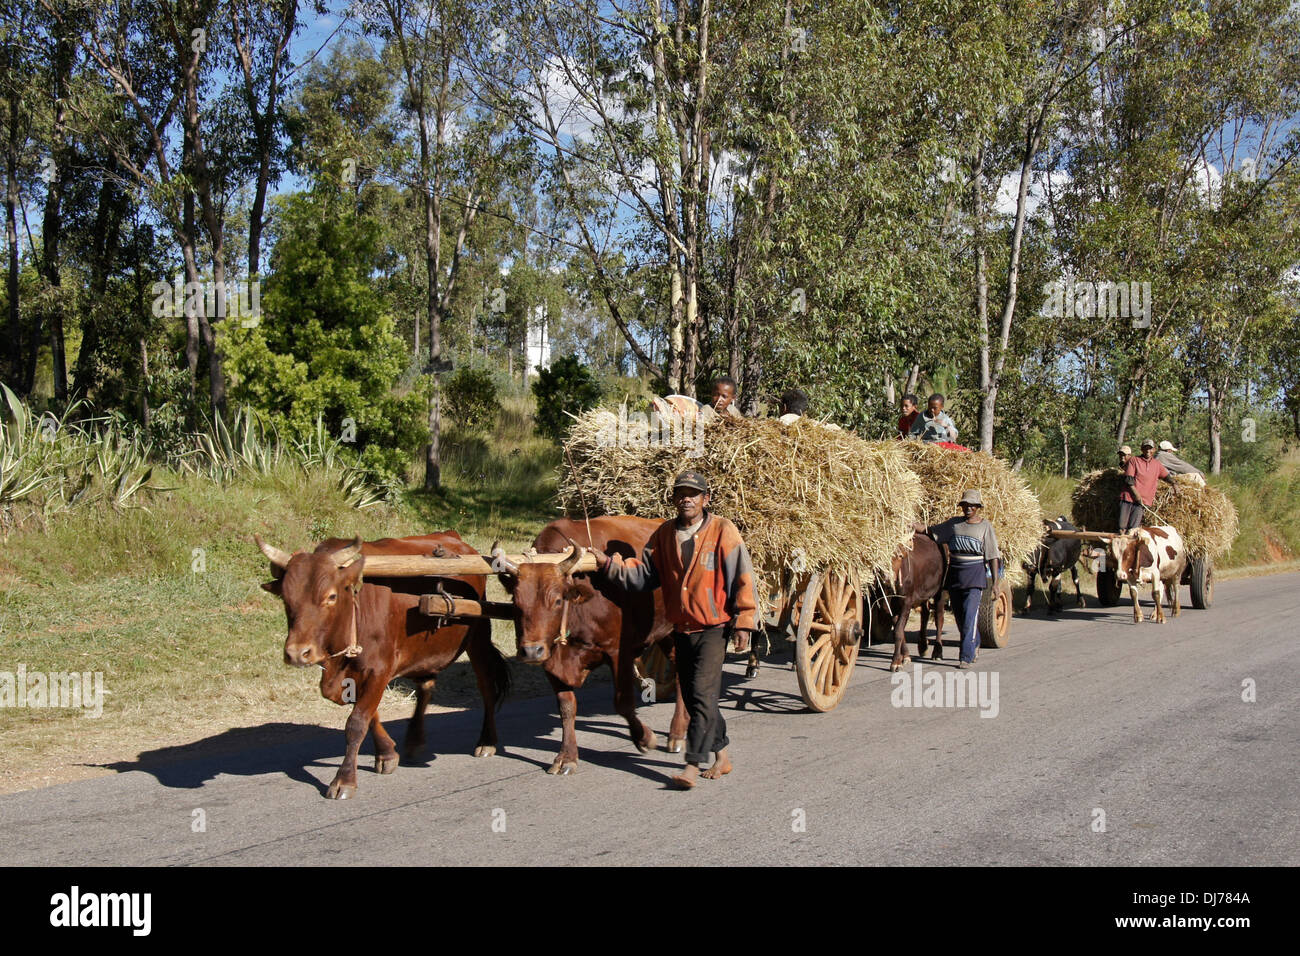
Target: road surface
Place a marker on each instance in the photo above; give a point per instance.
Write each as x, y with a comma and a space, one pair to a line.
1112, 744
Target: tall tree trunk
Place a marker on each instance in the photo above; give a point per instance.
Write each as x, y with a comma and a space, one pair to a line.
433, 266
912, 378
1130, 399
108, 228
52, 225
677, 322
991, 378
753, 370
192, 276
1215, 395
15, 336
981, 287
263, 117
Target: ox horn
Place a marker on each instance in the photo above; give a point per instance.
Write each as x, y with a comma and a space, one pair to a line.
279, 559
500, 560
567, 564
346, 556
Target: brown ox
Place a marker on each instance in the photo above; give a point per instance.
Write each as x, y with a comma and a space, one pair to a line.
1154, 556
327, 603
571, 623
916, 578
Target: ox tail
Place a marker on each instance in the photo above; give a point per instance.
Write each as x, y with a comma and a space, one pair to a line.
498, 671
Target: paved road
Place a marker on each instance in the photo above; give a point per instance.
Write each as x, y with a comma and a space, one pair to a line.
1146, 724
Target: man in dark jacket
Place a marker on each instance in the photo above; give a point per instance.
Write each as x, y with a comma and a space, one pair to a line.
704, 569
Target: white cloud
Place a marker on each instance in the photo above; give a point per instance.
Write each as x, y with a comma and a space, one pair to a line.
1009, 189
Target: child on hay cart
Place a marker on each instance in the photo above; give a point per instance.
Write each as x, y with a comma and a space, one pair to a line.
933, 425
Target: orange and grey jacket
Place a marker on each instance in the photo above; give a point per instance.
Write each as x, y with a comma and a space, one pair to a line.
716, 588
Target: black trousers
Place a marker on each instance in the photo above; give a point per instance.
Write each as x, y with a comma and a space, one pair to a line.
699, 674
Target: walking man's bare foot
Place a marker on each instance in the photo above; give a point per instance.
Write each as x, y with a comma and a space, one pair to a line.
721, 765
686, 779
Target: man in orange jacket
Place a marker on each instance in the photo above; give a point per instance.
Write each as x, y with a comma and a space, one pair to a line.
703, 567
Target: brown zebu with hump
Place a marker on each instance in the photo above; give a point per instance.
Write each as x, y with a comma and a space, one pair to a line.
570, 623
364, 632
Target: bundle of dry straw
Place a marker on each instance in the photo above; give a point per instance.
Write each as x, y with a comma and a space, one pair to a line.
1205, 517
801, 494
1009, 502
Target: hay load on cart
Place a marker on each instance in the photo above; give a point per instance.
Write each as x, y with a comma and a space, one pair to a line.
820, 509
1009, 503
1203, 516
805, 497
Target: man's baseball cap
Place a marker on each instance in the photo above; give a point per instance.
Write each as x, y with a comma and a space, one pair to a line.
693, 480
1125, 449
1167, 446
971, 497
1148, 443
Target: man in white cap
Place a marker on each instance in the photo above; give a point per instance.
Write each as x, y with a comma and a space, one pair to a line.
973, 560
1125, 453
1175, 465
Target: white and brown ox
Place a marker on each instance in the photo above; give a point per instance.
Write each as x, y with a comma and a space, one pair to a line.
1153, 556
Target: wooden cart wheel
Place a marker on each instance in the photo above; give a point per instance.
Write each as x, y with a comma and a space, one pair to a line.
1201, 578
656, 664
995, 615
1109, 589
826, 643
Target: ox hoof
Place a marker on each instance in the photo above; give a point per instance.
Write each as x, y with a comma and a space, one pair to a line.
341, 791
899, 665
645, 746
676, 745
386, 763
562, 767
937, 655
485, 750
751, 672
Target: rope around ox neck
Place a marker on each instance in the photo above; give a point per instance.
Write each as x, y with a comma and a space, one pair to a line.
354, 625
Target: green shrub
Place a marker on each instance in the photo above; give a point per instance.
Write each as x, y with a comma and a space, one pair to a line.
470, 400
567, 386
327, 346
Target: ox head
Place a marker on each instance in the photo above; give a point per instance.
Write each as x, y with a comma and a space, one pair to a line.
318, 593
542, 591
1130, 554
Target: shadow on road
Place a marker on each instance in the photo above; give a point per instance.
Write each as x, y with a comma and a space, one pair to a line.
242, 751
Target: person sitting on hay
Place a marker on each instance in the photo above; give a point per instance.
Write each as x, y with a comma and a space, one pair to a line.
724, 397
794, 403
1139, 489
703, 567
972, 548
911, 410
933, 425
1175, 465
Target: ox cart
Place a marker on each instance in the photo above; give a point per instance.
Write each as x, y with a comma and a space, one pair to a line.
824, 613
1198, 575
